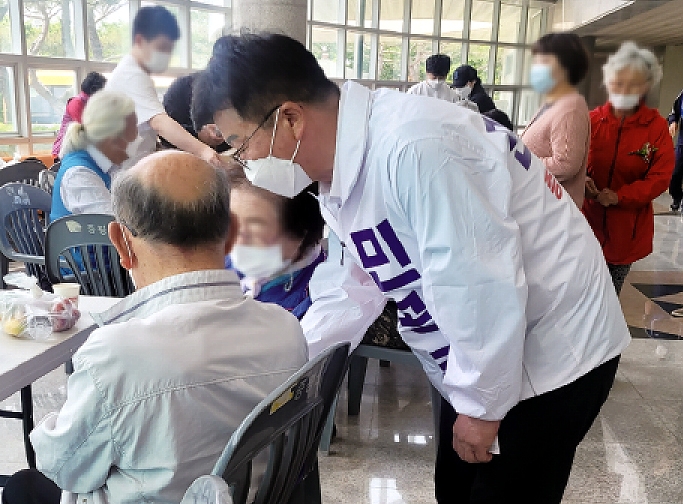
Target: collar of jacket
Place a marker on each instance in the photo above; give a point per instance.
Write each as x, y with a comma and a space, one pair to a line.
643, 116
352, 138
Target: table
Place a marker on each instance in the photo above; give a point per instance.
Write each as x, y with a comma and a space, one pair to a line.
23, 361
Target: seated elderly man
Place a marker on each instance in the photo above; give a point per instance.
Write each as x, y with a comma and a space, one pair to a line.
159, 388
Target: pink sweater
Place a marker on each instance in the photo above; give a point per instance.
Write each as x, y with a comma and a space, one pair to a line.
560, 136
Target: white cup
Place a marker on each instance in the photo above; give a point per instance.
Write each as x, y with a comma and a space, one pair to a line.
68, 291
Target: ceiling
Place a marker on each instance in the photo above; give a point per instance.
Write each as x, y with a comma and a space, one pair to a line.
647, 22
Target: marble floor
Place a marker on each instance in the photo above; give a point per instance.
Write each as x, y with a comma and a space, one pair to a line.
385, 455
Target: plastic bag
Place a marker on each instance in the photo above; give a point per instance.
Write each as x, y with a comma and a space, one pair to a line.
27, 316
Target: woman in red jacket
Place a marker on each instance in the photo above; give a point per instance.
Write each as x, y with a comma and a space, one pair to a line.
630, 161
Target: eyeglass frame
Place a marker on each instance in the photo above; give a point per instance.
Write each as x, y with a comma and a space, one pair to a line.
236, 154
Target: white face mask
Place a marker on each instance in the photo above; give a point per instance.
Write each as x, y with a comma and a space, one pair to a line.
464, 92
276, 175
158, 62
624, 102
258, 263
132, 148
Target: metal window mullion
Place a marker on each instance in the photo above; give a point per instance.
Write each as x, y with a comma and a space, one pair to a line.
16, 15
438, 12
80, 27
341, 52
21, 87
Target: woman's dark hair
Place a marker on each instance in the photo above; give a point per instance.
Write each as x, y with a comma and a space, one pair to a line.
93, 82
300, 216
500, 117
569, 51
252, 73
150, 22
438, 65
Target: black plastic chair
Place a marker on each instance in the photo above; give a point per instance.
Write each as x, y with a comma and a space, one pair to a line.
287, 425
26, 172
23, 210
81, 243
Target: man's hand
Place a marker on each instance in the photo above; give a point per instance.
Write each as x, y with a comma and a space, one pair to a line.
210, 135
673, 129
472, 438
607, 197
592, 190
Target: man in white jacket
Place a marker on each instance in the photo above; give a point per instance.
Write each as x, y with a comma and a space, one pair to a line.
501, 286
160, 387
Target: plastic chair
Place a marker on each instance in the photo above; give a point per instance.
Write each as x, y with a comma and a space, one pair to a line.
46, 180
288, 424
81, 244
208, 490
25, 172
23, 210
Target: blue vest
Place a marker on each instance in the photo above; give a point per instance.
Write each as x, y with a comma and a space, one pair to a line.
75, 158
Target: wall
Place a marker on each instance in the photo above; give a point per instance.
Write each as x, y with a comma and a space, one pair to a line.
672, 83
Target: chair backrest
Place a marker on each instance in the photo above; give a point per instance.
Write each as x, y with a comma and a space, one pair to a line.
46, 180
55, 166
81, 245
288, 423
26, 172
23, 210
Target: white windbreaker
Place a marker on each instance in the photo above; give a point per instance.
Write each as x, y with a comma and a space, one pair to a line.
502, 288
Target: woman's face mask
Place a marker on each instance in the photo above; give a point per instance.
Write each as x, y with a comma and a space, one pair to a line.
258, 262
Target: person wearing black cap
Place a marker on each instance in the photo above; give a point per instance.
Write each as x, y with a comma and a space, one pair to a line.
467, 84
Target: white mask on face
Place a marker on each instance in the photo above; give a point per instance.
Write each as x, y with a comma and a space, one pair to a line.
258, 263
464, 92
624, 101
158, 62
435, 82
276, 175
132, 148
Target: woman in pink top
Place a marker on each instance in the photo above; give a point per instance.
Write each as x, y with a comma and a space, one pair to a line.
559, 133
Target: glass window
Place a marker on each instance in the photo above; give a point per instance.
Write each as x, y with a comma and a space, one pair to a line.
8, 121
510, 22
534, 24
420, 50
5, 27
526, 69
360, 12
391, 15
478, 57
207, 27
49, 92
359, 56
422, 17
8, 151
503, 101
324, 46
452, 18
328, 11
108, 30
389, 58
178, 58
217, 3
41, 149
506, 65
529, 101
49, 28
161, 84
481, 23
454, 50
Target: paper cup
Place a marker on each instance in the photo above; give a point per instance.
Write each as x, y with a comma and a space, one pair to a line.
68, 291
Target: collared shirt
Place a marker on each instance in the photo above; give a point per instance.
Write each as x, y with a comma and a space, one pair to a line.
83, 191
435, 89
502, 289
158, 390
131, 79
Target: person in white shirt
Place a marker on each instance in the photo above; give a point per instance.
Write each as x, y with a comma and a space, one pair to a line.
435, 85
155, 32
173, 369
501, 286
89, 152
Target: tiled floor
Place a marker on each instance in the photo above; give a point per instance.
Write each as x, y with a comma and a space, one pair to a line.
385, 455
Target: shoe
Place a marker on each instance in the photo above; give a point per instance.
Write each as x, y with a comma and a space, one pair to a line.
675, 206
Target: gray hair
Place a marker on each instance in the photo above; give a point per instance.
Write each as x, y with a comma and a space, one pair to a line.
630, 55
150, 213
104, 117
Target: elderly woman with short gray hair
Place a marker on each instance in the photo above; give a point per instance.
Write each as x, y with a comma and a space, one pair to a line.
91, 149
630, 160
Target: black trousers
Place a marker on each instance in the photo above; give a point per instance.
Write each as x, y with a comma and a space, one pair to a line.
538, 440
676, 184
30, 486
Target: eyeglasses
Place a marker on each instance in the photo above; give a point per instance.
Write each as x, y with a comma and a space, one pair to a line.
132, 231
238, 152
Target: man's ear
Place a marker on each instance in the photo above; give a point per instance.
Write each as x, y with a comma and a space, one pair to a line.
232, 233
120, 244
293, 113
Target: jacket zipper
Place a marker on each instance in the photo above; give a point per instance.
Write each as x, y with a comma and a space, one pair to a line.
609, 178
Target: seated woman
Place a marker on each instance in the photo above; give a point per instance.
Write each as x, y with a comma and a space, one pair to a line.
90, 151
278, 243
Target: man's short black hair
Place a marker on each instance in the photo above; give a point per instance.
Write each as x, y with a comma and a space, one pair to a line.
254, 72
154, 216
569, 51
150, 22
438, 65
93, 82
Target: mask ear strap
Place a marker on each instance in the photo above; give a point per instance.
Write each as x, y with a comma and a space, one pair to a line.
272, 138
296, 151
